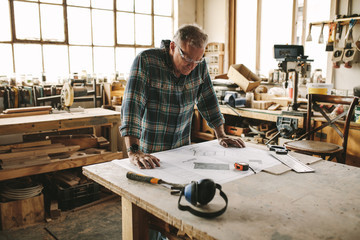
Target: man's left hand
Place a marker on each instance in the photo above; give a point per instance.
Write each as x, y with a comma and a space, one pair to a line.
228, 141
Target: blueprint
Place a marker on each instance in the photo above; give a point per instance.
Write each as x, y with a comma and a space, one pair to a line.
204, 160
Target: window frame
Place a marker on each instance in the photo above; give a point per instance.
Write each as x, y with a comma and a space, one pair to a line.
14, 40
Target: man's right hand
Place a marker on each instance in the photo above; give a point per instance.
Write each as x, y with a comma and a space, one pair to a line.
144, 160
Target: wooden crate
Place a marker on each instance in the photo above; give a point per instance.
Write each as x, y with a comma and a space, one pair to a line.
22, 212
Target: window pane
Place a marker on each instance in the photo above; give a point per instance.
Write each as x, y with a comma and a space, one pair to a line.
56, 60
314, 49
246, 33
27, 20
84, 3
125, 28
79, 26
6, 60
280, 13
143, 6
28, 58
106, 4
104, 60
80, 59
52, 1
5, 32
52, 22
103, 35
143, 29
163, 7
124, 59
163, 29
125, 5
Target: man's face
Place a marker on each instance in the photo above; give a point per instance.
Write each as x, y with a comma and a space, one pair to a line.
186, 57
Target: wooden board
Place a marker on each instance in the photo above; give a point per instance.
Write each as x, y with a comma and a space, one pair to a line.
24, 145
27, 109
23, 114
72, 162
22, 212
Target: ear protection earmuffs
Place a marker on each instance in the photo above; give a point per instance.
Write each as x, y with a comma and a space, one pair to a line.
201, 192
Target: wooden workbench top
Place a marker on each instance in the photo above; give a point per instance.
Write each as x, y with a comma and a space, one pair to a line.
320, 205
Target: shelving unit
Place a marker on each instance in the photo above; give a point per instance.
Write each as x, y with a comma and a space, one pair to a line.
214, 54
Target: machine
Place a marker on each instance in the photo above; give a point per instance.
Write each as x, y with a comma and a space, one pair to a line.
72, 90
291, 59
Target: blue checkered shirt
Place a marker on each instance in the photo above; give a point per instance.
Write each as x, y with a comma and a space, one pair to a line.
158, 107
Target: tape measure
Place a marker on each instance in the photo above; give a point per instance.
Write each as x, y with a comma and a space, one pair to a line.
242, 166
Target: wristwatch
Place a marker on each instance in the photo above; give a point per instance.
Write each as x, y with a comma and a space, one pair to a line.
133, 148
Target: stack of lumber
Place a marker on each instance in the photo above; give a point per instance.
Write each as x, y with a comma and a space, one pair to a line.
26, 111
33, 153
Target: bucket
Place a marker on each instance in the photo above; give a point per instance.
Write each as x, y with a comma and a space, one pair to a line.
319, 88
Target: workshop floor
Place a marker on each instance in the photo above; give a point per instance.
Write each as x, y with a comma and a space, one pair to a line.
101, 221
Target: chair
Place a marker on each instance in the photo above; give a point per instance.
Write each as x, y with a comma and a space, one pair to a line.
324, 149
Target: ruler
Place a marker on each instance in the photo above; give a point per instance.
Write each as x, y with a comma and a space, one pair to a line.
292, 163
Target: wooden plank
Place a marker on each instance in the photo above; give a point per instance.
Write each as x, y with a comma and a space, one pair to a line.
84, 142
64, 121
9, 156
27, 109
56, 145
72, 162
24, 145
24, 114
24, 162
22, 212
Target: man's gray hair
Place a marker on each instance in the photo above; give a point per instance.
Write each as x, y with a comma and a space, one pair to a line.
191, 34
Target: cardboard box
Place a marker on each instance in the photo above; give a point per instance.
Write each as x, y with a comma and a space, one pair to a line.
243, 77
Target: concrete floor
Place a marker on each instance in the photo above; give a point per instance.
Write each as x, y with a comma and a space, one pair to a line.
101, 221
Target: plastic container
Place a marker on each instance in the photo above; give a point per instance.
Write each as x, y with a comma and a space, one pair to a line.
319, 88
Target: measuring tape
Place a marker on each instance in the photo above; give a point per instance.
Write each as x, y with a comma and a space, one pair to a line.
243, 166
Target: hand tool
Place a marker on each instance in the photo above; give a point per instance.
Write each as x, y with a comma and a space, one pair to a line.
321, 37
152, 180
243, 166
292, 163
278, 149
309, 38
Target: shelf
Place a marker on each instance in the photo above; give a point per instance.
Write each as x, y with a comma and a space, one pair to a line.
72, 162
344, 21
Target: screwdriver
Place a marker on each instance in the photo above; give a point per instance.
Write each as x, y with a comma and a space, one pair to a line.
149, 179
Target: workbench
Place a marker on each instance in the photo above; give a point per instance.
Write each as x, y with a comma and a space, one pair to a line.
320, 205
266, 115
88, 118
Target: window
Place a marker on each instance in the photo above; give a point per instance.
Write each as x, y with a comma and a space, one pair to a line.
59, 37
262, 24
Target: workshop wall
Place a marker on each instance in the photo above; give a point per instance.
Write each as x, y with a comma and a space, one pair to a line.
347, 78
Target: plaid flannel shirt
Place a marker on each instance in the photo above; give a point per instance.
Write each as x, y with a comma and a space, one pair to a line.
158, 107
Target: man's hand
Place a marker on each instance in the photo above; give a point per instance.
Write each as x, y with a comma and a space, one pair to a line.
144, 160
227, 141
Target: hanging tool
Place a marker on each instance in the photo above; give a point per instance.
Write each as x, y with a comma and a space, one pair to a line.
348, 37
152, 180
331, 39
321, 37
309, 38
243, 166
